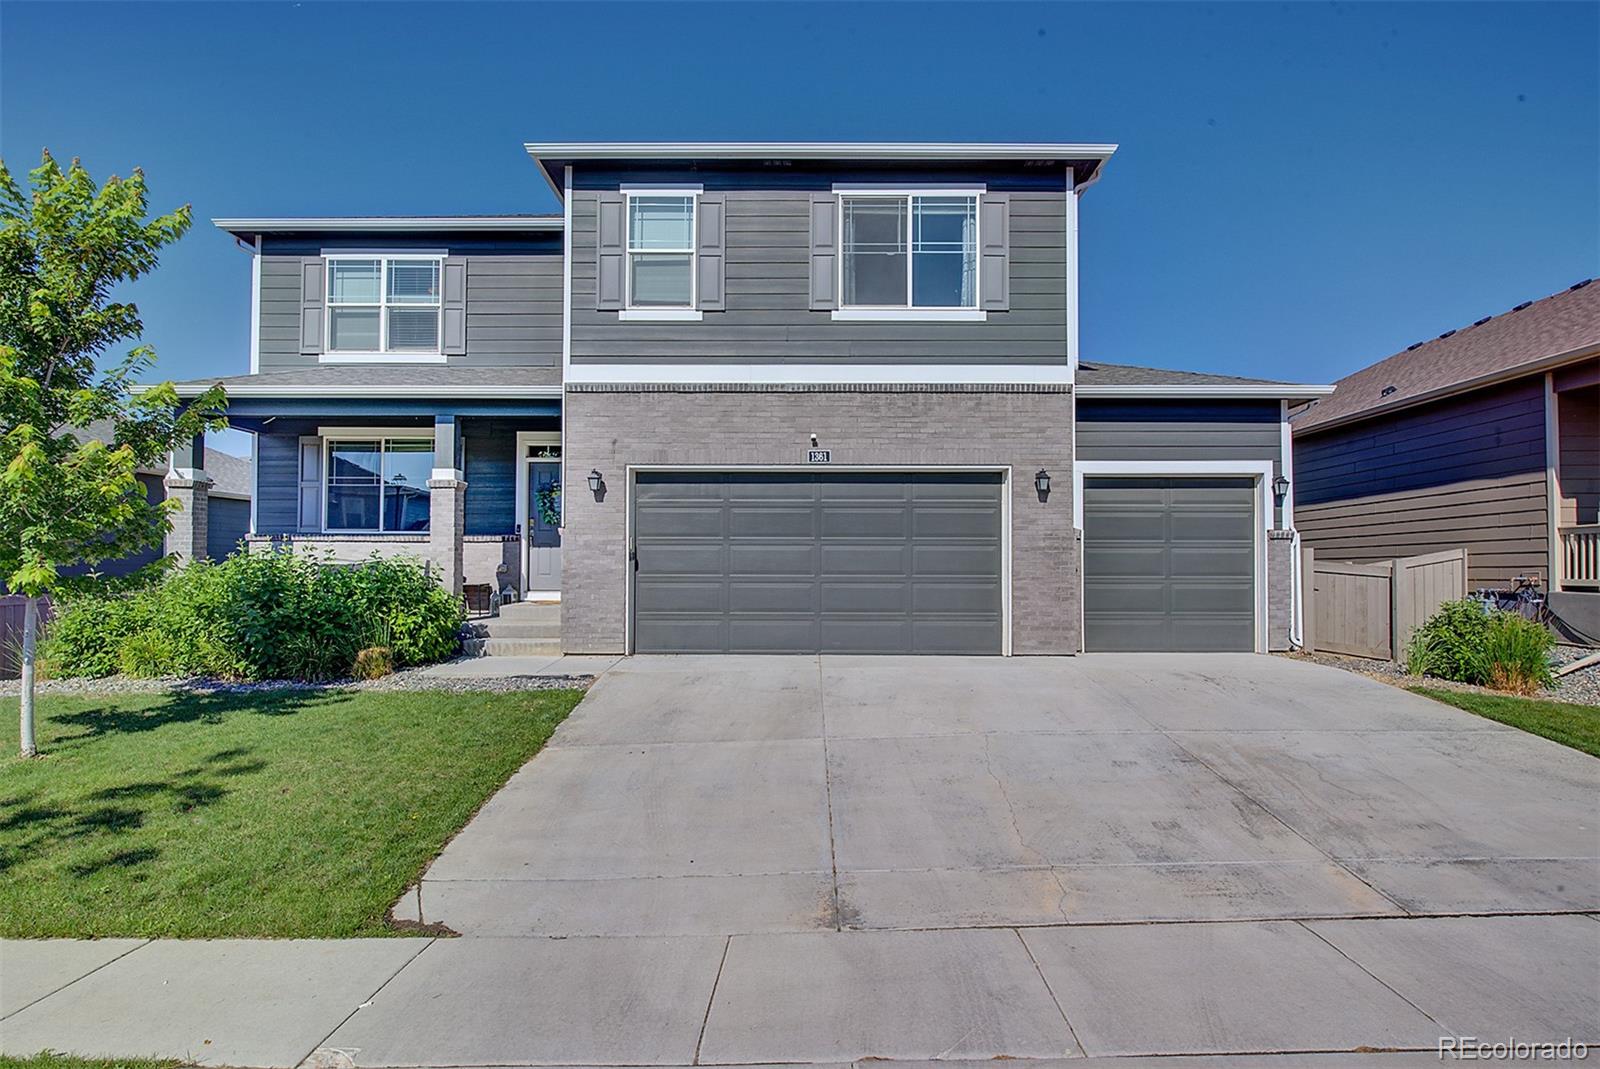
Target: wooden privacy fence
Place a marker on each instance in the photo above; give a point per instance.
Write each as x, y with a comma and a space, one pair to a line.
1370, 610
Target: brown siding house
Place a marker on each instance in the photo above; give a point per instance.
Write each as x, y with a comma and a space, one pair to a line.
1485, 438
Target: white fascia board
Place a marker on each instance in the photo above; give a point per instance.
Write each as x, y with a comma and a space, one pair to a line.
819, 150
1273, 391
350, 390
928, 374
418, 222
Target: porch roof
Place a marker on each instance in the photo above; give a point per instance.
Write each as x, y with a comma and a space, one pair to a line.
387, 381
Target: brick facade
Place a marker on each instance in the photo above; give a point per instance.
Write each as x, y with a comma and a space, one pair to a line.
1026, 428
1280, 588
186, 540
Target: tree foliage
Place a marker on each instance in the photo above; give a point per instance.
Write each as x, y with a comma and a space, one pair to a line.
66, 245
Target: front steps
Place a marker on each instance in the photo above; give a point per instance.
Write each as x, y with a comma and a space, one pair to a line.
523, 629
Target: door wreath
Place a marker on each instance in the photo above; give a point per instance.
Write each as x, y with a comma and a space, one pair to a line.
548, 499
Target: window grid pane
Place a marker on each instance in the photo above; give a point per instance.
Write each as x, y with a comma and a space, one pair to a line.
661, 224
874, 247
413, 282
944, 260
353, 281
353, 485
384, 305
909, 251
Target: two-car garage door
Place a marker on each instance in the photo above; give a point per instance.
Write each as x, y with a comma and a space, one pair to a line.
801, 562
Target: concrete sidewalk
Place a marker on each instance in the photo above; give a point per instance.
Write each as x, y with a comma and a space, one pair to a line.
825, 997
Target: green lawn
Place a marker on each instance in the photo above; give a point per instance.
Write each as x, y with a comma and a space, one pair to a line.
282, 813
1577, 726
52, 1060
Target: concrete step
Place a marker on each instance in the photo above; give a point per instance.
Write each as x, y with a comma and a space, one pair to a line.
517, 629
511, 647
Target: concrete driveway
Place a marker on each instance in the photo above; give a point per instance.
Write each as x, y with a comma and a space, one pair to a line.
724, 796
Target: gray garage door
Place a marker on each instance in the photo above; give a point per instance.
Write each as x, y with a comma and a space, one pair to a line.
1169, 564
771, 562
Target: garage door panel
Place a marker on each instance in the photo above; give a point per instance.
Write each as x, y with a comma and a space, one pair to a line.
800, 562
1128, 562
841, 521
1169, 564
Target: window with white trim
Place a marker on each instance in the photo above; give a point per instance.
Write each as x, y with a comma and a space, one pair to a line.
384, 305
661, 250
378, 484
908, 250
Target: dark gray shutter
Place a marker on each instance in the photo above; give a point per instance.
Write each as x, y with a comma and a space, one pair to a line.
309, 511
994, 273
313, 295
611, 232
453, 310
711, 227
824, 251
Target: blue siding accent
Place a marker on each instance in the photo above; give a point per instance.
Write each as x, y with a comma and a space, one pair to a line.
277, 483
356, 408
227, 522
455, 244
491, 471
1094, 410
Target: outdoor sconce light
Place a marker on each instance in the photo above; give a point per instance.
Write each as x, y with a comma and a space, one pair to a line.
1041, 483
1280, 488
596, 483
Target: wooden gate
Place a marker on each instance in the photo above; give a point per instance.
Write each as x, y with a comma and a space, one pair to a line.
1371, 610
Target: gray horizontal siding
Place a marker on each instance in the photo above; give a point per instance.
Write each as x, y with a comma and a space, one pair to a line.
491, 474
1488, 434
513, 300
227, 523
769, 319
1500, 522
277, 483
1180, 431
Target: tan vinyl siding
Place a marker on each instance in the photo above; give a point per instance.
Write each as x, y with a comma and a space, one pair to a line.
1578, 471
1502, 524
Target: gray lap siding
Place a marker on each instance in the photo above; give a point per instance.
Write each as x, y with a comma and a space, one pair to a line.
513, 298
768, 317
1023, 428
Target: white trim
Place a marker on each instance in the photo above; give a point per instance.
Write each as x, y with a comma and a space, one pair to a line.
1552, 480
910, 194
368, 254
524, 440
449, 474
1297, 603
566, 344
1032, 374
376, 432
255, 310
660, 315
382, 358
819, 150
668, 189
657, 313
266, 389
1004, 470
1269, 390
907, 189
1260, 470
1071, 250
395, 222
910, 315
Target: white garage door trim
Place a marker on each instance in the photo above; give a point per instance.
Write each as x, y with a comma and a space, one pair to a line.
1004, 470
1260, 470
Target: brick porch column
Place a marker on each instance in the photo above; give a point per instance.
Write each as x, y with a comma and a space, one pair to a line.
188, 485
447, 504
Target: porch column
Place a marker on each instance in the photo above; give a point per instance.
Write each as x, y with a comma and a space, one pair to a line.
188, 485
447, 503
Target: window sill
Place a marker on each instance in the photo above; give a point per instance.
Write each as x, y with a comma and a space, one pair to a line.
381, 358
660, 315
910, 315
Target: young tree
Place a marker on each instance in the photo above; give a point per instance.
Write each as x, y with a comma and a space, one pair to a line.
65, 497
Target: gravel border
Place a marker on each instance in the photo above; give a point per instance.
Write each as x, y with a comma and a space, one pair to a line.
1579, 688
410, 679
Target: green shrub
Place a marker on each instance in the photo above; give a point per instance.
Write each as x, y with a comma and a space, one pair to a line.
259, 616
374, 662
1466, 643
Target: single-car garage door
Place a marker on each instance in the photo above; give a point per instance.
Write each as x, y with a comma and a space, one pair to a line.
796, 562
1169, 564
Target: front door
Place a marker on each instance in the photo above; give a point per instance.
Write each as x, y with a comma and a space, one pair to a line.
544, 526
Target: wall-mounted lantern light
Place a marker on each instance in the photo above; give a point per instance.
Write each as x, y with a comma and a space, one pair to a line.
1041, 483
596, 483
1280, 488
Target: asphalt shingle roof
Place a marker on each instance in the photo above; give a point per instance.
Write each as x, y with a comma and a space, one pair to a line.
1099, 373
1531, 332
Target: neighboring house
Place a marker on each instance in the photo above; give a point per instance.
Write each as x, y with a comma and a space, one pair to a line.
1487, 438
764, 397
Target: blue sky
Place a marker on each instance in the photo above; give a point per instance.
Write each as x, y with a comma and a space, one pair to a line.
1301, 189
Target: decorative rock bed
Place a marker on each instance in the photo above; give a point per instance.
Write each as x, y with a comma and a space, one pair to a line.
1581, 687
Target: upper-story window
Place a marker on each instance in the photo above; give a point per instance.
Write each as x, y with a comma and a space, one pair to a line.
909, 250
661, 250
383, 304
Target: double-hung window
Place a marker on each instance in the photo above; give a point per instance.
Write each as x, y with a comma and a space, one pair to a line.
384, 305
378, 484
661, 251
909, 251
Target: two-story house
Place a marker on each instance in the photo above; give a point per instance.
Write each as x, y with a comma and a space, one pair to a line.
764, 397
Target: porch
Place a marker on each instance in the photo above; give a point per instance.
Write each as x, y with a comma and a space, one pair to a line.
1575, 476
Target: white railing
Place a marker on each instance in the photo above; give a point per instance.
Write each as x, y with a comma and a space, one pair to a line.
1580, 557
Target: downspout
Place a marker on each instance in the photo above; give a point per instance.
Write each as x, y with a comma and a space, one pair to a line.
1297, 607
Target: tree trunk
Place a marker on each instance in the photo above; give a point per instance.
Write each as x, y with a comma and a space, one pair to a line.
30, 636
